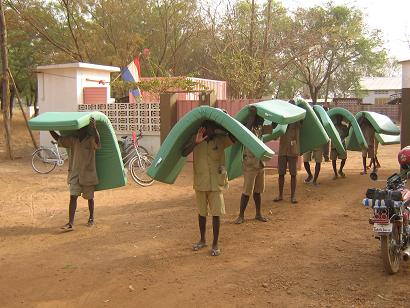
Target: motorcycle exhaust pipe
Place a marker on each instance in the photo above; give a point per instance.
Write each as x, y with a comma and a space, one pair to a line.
406, 254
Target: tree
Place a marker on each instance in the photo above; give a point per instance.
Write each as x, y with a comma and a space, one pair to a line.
247, 45
331, 39
5, 82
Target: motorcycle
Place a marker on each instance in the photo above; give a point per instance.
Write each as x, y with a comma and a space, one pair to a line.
391, 219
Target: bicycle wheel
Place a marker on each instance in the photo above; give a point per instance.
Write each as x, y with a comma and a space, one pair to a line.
138, 167
44, 160
143, 150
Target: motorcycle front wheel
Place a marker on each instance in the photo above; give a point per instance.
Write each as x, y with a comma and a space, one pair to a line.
390, 247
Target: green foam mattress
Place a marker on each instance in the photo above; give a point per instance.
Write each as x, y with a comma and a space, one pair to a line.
169, 160
110, 168
277, 111
384, 139
312, 133
330, 129
382, 124
355, 141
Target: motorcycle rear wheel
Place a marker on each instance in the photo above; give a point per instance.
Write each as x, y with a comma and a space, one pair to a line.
390, 252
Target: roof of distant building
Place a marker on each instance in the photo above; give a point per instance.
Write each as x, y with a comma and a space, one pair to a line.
380, 83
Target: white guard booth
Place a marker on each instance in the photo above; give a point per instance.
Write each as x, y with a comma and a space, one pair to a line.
61, 87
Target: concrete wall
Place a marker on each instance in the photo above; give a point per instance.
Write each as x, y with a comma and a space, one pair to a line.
371, 96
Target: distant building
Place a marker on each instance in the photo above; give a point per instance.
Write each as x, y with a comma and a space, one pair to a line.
380, 90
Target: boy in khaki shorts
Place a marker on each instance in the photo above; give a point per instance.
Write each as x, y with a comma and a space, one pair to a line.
343, 131
210, 178
289, 148
369, 136
82, 172
317, 155
253, 170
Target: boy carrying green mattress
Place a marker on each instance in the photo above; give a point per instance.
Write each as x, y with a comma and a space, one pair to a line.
343, 131
82, 173
210, 177
369, 135
289, 149
253, 169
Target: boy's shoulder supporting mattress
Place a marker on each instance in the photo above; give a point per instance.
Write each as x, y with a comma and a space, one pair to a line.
110, 168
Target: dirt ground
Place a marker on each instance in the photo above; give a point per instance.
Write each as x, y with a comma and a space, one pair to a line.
320, 252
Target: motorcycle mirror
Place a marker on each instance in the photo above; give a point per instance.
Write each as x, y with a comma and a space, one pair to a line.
374, 176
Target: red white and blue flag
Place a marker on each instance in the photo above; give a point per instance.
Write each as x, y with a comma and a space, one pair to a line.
132, 73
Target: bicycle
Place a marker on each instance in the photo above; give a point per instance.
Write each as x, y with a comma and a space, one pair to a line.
136, 158
44, 160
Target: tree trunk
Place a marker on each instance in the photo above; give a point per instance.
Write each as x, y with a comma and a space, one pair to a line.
12, 95
252, 29
5, 82
327, 92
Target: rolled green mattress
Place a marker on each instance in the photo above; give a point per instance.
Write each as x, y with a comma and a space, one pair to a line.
387, 139
330, 129
312, 133
355, 141
110, 169
381, 123
169, 160
277, 111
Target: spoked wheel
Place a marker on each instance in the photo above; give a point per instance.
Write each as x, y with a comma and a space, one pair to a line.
390, 247
143, 150
44, 160
138, 167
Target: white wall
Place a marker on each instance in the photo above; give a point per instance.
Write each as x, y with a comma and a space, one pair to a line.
371, 96
57, 91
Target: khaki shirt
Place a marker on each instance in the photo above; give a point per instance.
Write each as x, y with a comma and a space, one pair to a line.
209, 164
81, 159
250, 162
289, 144
368, 133
343, 131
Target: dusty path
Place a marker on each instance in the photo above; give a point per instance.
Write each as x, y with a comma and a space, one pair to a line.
317, 253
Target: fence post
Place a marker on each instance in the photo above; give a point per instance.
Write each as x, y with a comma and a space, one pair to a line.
168, 113
405, 104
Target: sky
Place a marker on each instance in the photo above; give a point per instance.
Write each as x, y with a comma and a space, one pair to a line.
392, 17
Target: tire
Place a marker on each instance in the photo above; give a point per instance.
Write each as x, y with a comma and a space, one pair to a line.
390, 254
139, 172
38, 160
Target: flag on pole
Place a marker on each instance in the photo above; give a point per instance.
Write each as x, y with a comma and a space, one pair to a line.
132, 73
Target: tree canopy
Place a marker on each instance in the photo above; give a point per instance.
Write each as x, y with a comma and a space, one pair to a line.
259, 48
